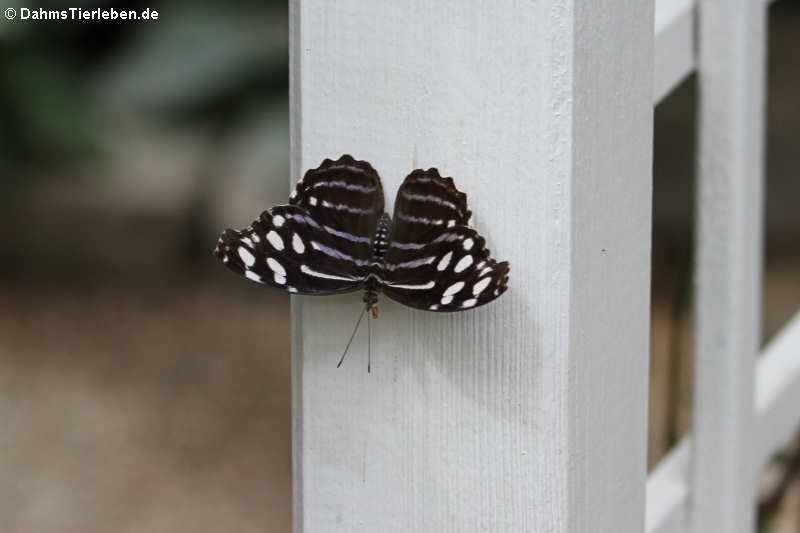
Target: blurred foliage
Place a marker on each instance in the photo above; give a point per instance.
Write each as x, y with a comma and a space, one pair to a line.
203, 66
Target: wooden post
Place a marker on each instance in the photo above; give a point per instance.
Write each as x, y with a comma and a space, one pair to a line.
674, 45
528, 414
728, 284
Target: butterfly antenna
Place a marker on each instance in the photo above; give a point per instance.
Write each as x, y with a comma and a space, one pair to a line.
369, 344
351, 337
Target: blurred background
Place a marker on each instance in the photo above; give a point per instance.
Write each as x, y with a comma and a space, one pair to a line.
143, 387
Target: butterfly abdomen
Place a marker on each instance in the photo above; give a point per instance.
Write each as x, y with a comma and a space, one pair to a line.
380, 244
381, 241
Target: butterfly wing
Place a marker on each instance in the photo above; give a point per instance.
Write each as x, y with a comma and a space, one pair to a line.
345, 198
286, 249
426, 203
435, 261
319, 244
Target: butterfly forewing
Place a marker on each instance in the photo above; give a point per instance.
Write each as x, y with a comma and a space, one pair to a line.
288, 250
319, 244
434, 260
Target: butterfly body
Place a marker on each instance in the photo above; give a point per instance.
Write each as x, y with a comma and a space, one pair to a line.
380, 244
334, 237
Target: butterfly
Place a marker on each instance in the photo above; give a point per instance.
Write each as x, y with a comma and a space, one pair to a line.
334, 237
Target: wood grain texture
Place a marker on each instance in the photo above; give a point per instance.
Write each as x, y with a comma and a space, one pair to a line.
528, 414
729, 262
778, 391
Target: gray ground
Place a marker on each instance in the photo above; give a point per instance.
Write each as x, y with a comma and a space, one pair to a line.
143, 411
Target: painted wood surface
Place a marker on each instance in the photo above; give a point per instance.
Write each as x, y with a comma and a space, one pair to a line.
778, 391
777, 396
528, 414
729, 262
668, 492
674, 45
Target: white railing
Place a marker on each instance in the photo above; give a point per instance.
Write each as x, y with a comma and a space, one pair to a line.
530, 414
745, 405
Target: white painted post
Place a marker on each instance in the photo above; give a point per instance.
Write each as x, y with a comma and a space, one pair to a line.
674, 46
728, 284
528, 414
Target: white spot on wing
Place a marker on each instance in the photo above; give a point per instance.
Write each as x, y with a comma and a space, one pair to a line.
256, 238
275, 240
421, 220
468, 244
430, 198
276, 267
451, 223
327, 250
469, 303
480, 286
280, 280
463, 263
454, 288
249, 274
348, 236
312, 200
341, 184
434, 307
247, 258
278, 221
247, 241
293, 196
428, 285
345, 207
445, 261
297, 244
407, 245
448, 237
412, 264
484, 271
291, 289
305, 270
446, 299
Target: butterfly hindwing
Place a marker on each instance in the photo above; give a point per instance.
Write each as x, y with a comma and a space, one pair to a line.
434, 260
453, 272
286, 249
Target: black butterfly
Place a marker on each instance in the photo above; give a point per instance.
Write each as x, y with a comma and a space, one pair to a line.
334, 237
